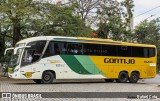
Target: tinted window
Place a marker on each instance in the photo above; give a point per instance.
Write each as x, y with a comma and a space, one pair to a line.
152, 52
50, 50
124, 51
137, 52
71, 48
60, 48
55, 48
109, 50
92, 49
74, 49
143, 52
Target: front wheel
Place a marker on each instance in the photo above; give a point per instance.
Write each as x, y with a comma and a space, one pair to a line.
123, 77
134, 77
47, 77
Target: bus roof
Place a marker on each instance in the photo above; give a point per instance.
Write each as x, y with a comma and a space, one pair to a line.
82, 40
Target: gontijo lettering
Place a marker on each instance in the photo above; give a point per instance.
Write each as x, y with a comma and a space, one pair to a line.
119, 61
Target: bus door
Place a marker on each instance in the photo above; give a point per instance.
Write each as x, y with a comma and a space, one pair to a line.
26, 64
52, 58
30, 63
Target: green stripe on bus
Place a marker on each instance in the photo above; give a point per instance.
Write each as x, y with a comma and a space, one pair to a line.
88, 64
74, 64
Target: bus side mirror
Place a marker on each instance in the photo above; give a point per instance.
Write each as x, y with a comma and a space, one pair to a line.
16, 49
5, 52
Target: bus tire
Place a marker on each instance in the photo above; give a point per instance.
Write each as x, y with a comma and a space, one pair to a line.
38, 81
109, 80
122, 78
47, 77
134, 77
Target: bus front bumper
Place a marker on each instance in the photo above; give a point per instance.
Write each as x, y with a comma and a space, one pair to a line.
13, 75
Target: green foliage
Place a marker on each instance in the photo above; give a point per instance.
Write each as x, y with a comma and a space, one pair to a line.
148, 32
84, 9
27, 18
112, 23
63, 22
128, 4
15, 12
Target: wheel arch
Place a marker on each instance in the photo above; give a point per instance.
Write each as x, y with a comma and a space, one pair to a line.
124, 71
52, 71
136, 71
122, 76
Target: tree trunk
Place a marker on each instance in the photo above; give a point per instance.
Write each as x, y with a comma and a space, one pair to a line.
16, 31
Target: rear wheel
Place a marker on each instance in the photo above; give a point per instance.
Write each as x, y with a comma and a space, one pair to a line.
47, 77
123, 77
134, 77
109, 80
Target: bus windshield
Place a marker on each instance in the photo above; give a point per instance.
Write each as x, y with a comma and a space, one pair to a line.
14, 58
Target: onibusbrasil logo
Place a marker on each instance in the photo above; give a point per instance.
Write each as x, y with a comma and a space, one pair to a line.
20, 95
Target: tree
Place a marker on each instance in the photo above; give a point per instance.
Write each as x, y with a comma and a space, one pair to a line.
86, 9
114, 21
62, 21
28, 18
110, 19
148, 32
16, 11
128, 4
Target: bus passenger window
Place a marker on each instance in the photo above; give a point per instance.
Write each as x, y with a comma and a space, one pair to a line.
50, 50
71, 48
137, 51
109, 50
55, 48
146, 52
92, 49
152, 52
124, 51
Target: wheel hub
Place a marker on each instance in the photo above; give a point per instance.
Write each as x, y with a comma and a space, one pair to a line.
134, 77
46, 77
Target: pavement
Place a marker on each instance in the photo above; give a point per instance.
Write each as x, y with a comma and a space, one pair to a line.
66, 87
88, 85
28, 86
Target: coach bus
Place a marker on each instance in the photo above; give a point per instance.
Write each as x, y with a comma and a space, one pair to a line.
46, 58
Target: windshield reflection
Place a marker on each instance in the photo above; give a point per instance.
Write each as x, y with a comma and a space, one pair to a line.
15, 58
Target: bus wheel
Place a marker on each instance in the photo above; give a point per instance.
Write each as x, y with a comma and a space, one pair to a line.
38, 81
47, 77
109, 80
134, 77
123, 77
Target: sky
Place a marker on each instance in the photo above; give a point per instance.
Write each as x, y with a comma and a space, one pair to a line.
142, 6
